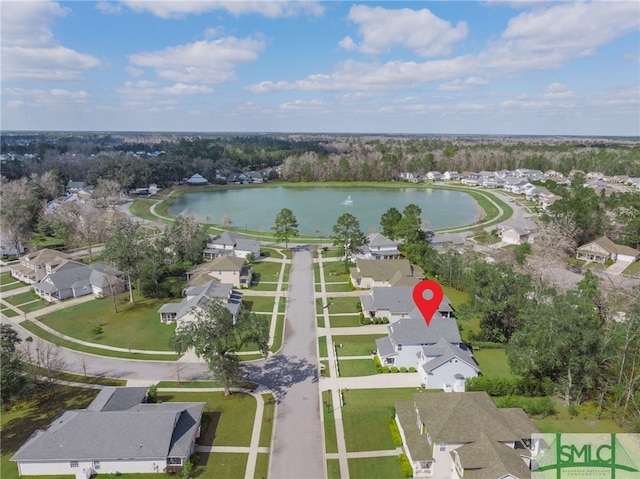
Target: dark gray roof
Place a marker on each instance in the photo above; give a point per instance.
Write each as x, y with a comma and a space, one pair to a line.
230, 238
415, 331
145, 431
377, 239
117, 398
198, 296
385, 347
398, 300
76, 275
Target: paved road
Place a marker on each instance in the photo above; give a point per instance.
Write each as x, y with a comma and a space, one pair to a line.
292, 374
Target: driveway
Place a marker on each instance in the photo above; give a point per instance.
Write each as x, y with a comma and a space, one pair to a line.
617, 268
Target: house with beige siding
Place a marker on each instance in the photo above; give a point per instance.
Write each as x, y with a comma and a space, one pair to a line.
33, 267
226, 269
603, 249
369, 273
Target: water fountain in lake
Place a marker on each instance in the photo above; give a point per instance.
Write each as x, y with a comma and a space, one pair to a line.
348, 201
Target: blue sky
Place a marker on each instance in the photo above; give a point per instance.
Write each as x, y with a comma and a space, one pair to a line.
516, 67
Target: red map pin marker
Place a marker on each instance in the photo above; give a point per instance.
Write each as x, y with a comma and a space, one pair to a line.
427, 295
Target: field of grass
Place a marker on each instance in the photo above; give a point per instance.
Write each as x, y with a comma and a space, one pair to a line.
493, 362
356, 345
468, 326
341, 305
385, 467
41, 333
259, 304
9, 313
21, 298
219, 465
334, 272
344, 321
356, 367
633, 269
330, 439
365, 415
333, 469
135, 325
585, 422
322, 346
456, 297
338, 287
268, 416
278, 334
262, 466
8, 282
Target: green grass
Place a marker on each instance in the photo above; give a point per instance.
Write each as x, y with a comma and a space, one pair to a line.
338, 287
365, 415
468, 326
585, 422
262, 466
332, 253
320, 320
333, 469
335, 272
18, 299
385, 467
268, 415
34, 306
322, 346
262, 286
493, 362
356, 367
633, 269
269, 270
9, 313
19, 422
41, 333
341, 305
327, 372
141, 207
330, 438
6, 278
79, 378
344, 321
135, 325
231, 416
456, 297
9, 286
221, 465
259, 304
278, 334
356, 345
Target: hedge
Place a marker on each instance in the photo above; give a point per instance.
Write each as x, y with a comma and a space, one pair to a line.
405, 466
524, 386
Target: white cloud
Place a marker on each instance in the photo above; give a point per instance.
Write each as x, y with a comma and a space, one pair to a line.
557, 91
202, 61
458, 84
623, 97
269, 9
148, 89
48, 98
29, 48
109, 8
418, 30
302, 105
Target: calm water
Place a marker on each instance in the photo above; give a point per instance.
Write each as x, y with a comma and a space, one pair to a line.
317, 209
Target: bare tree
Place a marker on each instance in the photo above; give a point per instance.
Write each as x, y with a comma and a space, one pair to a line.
551, 246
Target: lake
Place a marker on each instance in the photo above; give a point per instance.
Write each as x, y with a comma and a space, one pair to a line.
317, 209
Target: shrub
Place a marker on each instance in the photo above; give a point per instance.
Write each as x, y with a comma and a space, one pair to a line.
412, 369
395, 434
405, 466
376, 362
379, 370
385, 320
385, 369
403, 369
573, 410
394, 369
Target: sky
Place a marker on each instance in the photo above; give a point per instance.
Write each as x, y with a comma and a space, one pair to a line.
418, 67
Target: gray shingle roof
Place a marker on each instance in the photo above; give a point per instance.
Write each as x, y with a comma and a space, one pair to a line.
443, 352
415, 331
398, 300
143, 431
198, 296
77, 276
117, 398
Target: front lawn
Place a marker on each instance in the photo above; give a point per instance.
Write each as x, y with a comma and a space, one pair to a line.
21, 298
338, 287
356, 344
383, 467
365, 416
632, 270
350, 321
135, 325
356, 367
259, 304
335, 272
343, 304
330, 439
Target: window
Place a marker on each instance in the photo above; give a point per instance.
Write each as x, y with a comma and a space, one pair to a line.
73, 463
96, 465
443, 446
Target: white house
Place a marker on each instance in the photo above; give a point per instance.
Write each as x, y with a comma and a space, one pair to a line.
230, 243
465, 435
451, 175
435, 176
81, 280
118, 433
380, 247
603, 248
197, 298
435, 351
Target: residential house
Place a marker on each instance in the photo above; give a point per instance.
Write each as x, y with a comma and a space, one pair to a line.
196, 299
197, 180
472, 180
118, 433
517, 231
368, 273
465, 435
256, 177
435, 176
603, 249
230, 243
451, 175
75, 186
81, 280
441, 241
547, 199
380, 247
226, 269
435, 351
396, 303
238, 179
35, 266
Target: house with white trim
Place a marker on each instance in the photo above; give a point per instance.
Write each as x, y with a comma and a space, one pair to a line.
226, 269
81, 280
230, 243
451, 175
197, 298
117, 433
603, 248
370, 273
35, 266
465, 435
396, 303
380, 247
